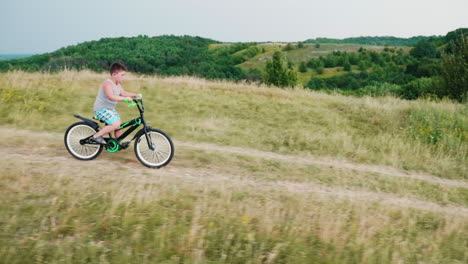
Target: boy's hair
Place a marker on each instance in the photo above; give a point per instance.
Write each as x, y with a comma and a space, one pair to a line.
117, 67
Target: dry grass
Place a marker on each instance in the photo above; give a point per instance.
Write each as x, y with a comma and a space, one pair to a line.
250, 182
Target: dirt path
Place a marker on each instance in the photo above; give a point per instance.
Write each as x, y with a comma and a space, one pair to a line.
309, 160
335, 163
139, 173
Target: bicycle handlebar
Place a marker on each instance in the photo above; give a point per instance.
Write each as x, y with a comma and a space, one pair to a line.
135, 101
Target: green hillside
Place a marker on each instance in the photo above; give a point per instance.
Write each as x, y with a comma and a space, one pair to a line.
164, 55
432, 67
377, 41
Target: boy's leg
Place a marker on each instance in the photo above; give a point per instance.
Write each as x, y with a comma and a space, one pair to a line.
110, 116
106, 130
117, 132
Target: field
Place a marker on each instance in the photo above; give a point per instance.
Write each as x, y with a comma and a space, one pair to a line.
260, 175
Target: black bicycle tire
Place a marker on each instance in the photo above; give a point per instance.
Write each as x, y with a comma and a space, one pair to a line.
168, 138
68, 148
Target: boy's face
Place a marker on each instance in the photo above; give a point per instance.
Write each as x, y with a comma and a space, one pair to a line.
119, 76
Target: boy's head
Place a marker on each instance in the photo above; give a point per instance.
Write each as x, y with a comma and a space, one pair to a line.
117, 71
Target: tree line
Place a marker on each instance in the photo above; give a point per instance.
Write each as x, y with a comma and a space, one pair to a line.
434, 67
163, 55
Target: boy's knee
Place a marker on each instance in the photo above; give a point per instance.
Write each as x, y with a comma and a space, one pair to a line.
117, 124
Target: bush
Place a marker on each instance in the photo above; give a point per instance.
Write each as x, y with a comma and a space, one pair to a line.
302, 67
419, 88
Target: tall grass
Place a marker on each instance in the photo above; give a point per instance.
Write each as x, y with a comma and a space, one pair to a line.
50, 216
387, 131
212, 207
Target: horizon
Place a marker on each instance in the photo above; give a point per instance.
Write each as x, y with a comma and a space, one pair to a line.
31, 54
29, 26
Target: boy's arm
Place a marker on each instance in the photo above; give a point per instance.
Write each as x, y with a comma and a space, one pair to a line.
108, 92
127, 94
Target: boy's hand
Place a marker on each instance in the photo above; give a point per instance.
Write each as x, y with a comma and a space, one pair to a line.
127, 99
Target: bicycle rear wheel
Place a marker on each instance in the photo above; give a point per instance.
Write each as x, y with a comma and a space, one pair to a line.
163, 149
72, 138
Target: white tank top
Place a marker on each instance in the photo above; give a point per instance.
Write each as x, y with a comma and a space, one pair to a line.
101, 99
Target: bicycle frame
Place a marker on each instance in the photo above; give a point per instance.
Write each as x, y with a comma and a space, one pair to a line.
135, 123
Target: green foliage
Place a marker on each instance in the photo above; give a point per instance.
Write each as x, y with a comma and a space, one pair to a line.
376, 41
278, 74
289, 47
254, 75
319, 70
164, 55
422, 87
425, 48
439, 128
418, 73
455, 69
302, 67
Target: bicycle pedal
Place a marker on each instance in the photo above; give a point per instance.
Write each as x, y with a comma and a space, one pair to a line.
124, 145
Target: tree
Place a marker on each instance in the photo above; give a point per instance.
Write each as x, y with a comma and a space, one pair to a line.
278, 74
346, 65
319, 70
455, 69
302, 67
288, 47
424, 48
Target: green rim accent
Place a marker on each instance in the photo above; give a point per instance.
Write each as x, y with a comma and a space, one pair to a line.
114, 147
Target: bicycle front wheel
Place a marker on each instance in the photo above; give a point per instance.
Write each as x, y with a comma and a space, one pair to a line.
163, 149
72, 138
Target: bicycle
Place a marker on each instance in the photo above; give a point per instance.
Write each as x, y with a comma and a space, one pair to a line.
153, 147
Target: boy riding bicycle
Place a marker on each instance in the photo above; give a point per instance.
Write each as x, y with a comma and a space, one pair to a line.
110, 92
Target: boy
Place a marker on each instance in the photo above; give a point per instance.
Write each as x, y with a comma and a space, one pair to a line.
109, 94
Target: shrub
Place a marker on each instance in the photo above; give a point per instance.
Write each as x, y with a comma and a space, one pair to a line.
419, 88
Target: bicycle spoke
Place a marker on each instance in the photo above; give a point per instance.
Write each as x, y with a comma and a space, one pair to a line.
160, 154
74, 136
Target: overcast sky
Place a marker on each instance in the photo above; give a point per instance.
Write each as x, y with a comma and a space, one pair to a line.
38, 26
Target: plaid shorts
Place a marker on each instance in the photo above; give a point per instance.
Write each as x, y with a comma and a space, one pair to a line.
107, 115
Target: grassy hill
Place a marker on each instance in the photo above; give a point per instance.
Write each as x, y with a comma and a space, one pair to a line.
260, 174
309, 51
380, 41
350, 66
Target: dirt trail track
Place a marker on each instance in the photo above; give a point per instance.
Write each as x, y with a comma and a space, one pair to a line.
64, 160
338, 164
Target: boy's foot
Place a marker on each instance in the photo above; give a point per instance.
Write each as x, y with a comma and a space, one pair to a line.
124, 145
98, 140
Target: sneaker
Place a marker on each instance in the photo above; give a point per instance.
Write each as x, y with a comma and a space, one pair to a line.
98, 140
124, 145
